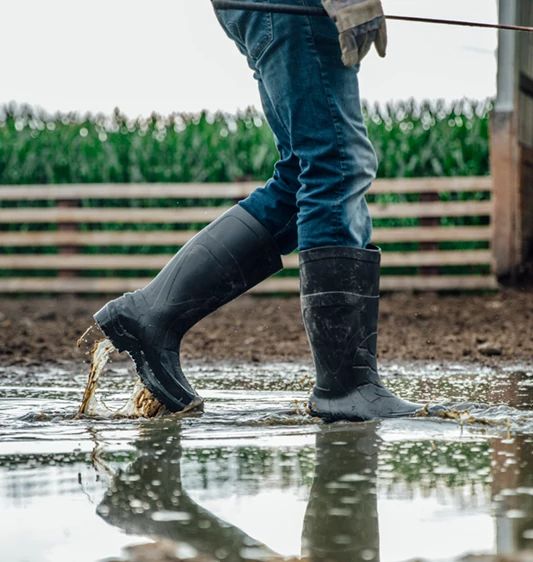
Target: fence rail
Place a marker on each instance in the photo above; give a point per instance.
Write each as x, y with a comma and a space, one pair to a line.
214, 190
179, 237
76, 251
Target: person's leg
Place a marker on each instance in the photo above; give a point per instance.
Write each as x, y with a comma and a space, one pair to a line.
315, 100
274, 205
311, 101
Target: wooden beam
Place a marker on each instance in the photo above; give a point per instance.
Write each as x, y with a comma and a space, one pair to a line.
116, 215
157, 261
526, 205
274, 285
511, 139
431, 209
180, 237
506, 172
421, 259
190, 215
383, 235
438, 283
127, 191
432, 185
222, 190
96, 238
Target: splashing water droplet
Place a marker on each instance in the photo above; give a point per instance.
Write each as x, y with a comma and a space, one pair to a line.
141, 402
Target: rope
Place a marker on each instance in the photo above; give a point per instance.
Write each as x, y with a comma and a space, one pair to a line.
314, 11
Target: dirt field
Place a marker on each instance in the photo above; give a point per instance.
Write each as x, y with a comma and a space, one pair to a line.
483, 328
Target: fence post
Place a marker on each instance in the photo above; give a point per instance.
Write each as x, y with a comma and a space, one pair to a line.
429, 246
512, 144
67, 250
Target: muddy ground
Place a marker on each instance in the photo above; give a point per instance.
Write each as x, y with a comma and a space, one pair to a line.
484, 328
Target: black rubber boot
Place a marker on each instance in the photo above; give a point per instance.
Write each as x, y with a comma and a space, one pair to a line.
224, 260
340, 297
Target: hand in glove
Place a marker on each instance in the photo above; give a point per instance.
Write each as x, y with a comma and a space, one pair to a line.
360, 23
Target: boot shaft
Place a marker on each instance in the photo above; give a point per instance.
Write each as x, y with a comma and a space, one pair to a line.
340, 269
340, 300
224, 260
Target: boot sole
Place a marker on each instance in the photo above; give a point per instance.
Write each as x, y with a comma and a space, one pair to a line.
124, 341
332, 418
328, 415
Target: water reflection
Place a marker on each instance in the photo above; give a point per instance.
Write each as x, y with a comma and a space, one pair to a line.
512, 470
514, 389
240, 484
512, 490
148, 497
157, 495
341, 521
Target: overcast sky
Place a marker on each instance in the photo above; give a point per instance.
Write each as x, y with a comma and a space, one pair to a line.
171, 55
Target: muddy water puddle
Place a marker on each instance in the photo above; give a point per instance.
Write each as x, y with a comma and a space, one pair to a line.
255, 478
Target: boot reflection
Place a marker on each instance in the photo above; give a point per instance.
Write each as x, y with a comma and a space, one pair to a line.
341, 521
512, 474
512, 486
148, 499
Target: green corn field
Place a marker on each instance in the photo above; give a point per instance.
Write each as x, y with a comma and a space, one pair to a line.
412, 139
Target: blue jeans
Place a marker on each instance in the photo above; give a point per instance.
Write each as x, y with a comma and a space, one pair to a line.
311, 102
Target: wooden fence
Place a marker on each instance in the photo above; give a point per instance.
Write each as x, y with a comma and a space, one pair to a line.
56, 237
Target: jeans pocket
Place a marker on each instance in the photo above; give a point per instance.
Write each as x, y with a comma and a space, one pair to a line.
252, 31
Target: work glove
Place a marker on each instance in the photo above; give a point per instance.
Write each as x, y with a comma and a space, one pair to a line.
359, 23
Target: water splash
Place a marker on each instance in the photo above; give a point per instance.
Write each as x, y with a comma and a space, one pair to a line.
141, 402
499, 416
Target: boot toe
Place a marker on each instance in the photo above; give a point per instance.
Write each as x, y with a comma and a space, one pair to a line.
366, 402
159, 370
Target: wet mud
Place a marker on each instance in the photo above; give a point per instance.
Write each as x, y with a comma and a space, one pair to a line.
255, 478
484, 328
